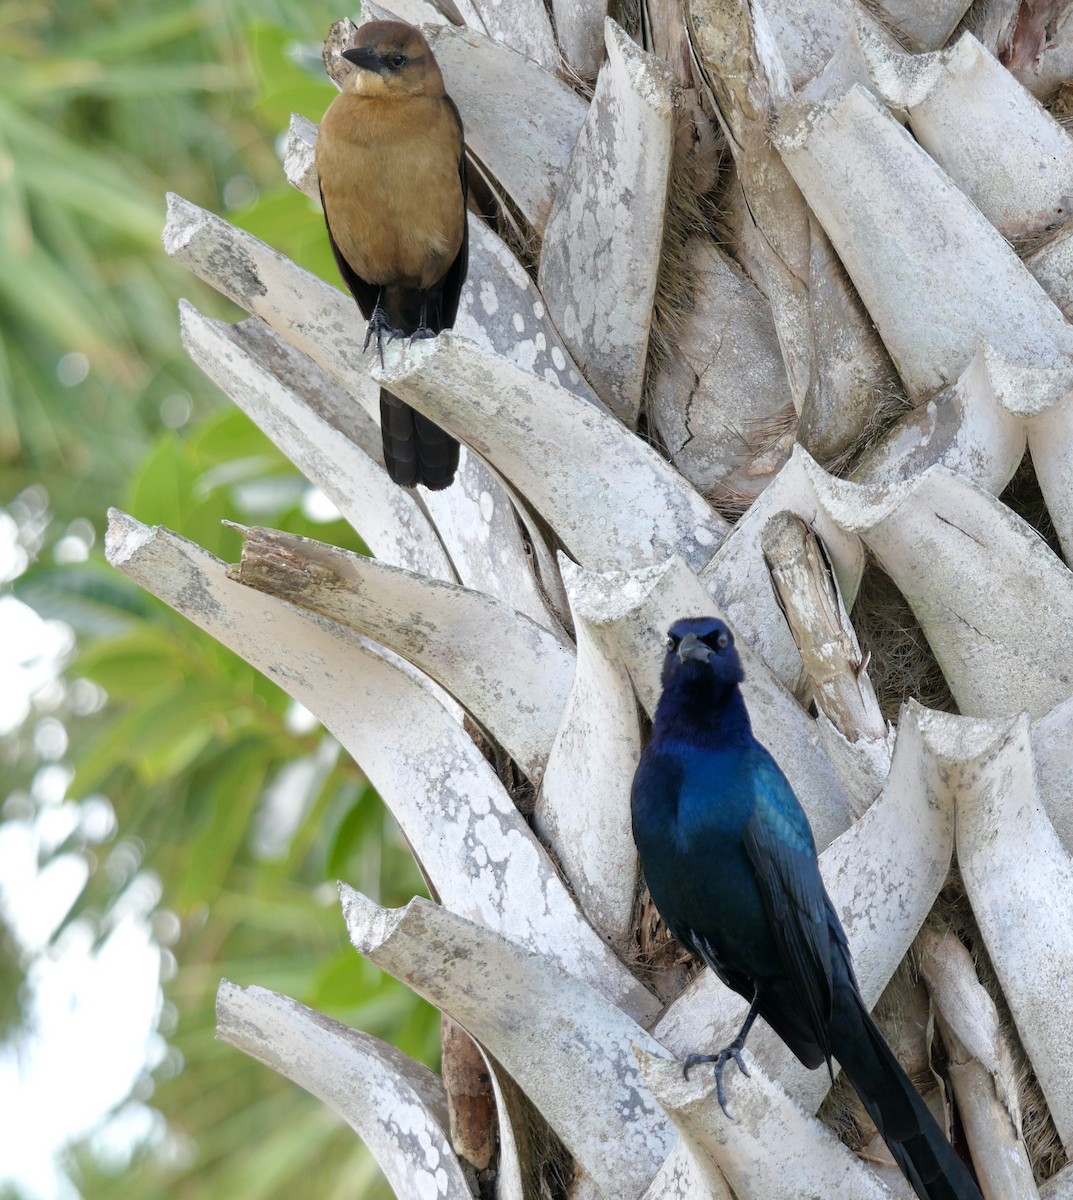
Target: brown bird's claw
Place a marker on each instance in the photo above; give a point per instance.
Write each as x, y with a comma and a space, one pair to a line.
379, 325
422, 331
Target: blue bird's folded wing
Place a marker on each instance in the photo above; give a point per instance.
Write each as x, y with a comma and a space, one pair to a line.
779, 844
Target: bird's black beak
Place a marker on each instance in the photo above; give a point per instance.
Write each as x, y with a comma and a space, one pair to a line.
364, 57
692, 647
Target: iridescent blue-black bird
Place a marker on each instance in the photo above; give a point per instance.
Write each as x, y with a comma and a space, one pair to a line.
730, 862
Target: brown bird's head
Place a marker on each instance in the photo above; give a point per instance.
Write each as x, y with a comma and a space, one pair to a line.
392, 60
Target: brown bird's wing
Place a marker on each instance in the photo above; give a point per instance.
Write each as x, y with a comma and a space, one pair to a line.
364, 293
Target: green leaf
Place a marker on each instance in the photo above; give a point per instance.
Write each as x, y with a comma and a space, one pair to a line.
361, 822
166, 492
231, 436
284, 87
338, 984
159, 739
160, 493
147, 662
232, 793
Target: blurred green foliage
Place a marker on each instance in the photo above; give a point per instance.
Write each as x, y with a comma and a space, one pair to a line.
104, 106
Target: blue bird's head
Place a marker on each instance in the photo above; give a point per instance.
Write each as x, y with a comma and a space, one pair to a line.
700, 651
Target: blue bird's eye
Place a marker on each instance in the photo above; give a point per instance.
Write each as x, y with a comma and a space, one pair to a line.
672, 642
717, 641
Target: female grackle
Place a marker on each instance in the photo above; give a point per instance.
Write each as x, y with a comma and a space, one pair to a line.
730, 861
392, 168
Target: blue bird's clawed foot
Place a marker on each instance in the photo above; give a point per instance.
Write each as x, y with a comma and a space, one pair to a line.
378, 326
733, 1051
422, 331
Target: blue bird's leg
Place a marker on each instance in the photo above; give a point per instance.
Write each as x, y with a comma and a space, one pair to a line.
733, 1051
379, 324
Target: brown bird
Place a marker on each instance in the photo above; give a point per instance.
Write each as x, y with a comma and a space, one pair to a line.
392, 166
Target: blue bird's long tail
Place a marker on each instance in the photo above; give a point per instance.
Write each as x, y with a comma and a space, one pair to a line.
904, 1121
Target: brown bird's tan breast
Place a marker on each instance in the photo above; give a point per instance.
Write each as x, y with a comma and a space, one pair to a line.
390, 181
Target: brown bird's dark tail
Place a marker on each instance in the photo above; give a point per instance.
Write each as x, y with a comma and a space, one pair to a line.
415, 450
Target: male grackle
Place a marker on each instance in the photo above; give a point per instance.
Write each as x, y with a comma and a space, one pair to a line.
392, 172
730, 861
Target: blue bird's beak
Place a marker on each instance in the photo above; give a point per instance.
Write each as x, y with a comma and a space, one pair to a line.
691, 647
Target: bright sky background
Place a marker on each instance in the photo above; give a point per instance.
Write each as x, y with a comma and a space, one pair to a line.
95, 1012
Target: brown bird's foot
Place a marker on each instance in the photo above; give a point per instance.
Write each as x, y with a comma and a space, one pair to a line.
733, 1051
422, 331
380, 325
